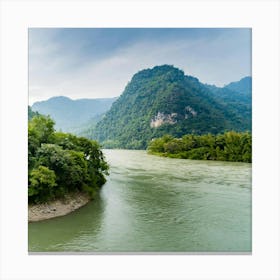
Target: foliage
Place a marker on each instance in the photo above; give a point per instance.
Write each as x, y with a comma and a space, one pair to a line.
59, 163
43, 128
167, 90
230, 146
42, 182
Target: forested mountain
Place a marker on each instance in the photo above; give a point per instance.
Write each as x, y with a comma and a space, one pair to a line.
163, 100
73, 115
244, 86
236, 97
240, 91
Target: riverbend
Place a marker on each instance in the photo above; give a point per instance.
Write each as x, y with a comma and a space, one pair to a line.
155, 204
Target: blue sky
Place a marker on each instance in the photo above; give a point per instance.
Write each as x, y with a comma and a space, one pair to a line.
99, 62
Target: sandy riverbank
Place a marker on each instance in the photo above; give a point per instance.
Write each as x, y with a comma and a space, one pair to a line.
57, 208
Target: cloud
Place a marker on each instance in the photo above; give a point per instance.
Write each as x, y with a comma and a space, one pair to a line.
55, 68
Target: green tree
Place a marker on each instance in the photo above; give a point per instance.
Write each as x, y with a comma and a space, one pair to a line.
43, 127
230, 146
77, 163
42, 184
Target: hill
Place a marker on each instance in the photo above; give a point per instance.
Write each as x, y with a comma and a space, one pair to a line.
163, 100
236, 97
73, 115
243, 87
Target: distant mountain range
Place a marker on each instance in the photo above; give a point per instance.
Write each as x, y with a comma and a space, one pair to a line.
243, 87
240, 91
73, 115
157, 101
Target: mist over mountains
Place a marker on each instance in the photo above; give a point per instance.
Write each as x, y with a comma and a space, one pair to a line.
73, 115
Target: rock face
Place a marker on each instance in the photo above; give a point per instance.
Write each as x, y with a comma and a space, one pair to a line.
163, 100
190, 112
162, 118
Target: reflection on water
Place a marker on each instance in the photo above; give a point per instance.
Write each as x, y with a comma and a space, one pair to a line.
154, 204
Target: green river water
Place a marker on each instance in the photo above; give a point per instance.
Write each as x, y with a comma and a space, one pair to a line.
156, 204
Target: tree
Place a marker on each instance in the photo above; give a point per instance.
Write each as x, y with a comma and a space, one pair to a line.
230, 146
43, 127
42, 183
72, 163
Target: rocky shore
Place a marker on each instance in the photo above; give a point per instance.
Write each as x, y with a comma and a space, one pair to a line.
56, 208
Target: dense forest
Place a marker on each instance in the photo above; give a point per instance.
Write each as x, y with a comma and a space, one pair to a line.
230, 146
61, 163
163, 100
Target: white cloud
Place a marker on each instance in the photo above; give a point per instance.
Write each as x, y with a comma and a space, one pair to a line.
54, 71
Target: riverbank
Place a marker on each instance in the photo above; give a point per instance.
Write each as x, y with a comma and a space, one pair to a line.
203, 157
56, 208
230, 146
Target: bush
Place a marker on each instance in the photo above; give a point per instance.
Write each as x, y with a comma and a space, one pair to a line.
42, 183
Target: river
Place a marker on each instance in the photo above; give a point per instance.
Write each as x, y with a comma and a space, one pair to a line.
156, 204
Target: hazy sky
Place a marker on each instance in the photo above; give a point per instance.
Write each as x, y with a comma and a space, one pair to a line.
99, 62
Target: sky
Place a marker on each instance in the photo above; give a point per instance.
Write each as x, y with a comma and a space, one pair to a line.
99, 62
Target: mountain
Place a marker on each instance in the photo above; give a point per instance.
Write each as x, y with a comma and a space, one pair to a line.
240, 91
243, 87
236, 97
163, 100
73, 115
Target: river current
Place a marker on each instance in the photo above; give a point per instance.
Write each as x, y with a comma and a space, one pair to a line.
156, 204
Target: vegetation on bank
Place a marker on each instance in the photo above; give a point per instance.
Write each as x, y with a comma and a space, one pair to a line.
230, 146
61, 163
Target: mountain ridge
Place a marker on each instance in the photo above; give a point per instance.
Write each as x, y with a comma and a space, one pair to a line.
163, 100
69, 114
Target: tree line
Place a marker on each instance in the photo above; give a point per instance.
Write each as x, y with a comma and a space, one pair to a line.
60, 163
230, 146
